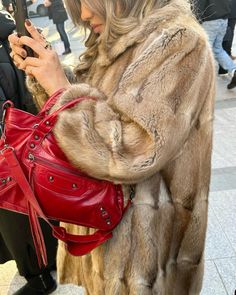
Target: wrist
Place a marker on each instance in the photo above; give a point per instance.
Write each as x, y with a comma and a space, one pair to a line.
64, 85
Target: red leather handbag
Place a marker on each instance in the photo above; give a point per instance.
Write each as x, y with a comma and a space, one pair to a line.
37, 179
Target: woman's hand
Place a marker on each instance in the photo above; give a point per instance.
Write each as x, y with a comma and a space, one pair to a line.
46, 67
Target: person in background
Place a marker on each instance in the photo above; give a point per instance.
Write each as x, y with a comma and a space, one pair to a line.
214, 14
148, 77
57, 12
15, 235
7, 4
229, 36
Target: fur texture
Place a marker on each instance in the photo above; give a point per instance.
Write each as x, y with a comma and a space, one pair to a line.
151, 126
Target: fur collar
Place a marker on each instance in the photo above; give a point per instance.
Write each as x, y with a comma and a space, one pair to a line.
148, 25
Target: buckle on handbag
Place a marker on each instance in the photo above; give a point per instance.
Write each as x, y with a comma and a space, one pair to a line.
2, 125
6, 105
6, 147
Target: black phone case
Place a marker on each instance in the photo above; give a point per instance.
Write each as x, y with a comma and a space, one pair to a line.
21, 14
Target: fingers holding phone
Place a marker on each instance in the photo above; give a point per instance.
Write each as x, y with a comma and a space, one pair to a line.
45, 60
35, 33
36, 43
18, 53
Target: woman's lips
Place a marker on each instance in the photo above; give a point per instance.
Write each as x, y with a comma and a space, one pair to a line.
95, 27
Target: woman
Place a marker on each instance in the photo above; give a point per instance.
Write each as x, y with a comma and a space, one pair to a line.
15, 235
57, 12
151, 70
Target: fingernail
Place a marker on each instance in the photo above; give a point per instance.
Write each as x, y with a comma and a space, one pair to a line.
28, 22
23, 53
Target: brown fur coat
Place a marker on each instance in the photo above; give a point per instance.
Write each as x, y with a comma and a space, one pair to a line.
151, 126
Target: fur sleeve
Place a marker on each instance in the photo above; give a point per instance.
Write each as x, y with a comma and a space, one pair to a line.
150, 117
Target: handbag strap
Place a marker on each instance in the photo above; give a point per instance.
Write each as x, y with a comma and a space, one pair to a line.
77, 244
47, 124
50, 102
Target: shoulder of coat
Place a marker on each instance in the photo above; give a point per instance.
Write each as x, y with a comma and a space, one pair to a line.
165, 25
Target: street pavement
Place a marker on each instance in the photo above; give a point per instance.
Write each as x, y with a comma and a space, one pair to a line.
220, 253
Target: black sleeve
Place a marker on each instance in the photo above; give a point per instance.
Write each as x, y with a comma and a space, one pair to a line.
7, 25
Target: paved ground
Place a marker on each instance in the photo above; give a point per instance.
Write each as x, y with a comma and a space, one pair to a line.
220, 255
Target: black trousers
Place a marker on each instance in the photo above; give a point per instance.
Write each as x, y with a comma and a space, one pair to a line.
229, 36
63, 35
16, 243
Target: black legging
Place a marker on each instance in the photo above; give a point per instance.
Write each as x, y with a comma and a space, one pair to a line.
61, 30
16, 243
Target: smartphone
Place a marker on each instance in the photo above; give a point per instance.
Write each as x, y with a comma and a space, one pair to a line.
20, 15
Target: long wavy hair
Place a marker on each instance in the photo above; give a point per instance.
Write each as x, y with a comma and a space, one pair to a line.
118, 21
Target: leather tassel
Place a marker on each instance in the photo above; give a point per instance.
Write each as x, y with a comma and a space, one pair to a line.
36, 230
37, 237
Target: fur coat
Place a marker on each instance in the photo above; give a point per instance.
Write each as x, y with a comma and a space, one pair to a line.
151, 126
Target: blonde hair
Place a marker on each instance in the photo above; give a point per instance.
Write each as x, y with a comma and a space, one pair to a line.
131, 12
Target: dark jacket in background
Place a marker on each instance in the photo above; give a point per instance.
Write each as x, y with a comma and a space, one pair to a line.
207, 10
229, 36
12, 80
233, 9
57, 12
15, 235
8, 79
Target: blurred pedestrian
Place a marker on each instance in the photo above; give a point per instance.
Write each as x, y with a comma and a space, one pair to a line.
214, 16
57, 12
229, 36
15, 235
7, 4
